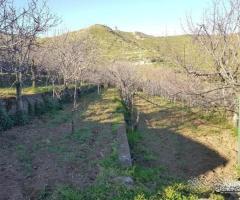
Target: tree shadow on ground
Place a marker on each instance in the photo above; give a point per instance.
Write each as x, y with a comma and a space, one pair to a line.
181, 155
44, 154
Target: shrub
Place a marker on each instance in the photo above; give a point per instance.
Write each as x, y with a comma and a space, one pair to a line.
39, 108
48, 104
20, 118
178, 192
216, 197
5, 121
30, 109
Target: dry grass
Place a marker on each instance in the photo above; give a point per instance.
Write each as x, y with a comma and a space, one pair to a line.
11, 92
105, 111
193, 145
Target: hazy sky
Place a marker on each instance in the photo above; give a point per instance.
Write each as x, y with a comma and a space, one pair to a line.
156, 17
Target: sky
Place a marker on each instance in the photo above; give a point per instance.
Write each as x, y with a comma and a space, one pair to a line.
155, 17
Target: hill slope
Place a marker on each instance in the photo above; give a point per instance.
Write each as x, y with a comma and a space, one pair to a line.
133, 46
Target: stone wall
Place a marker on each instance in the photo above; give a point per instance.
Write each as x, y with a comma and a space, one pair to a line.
9, 104
124, 155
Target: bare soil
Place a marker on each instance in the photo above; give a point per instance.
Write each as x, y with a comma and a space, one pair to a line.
43, 155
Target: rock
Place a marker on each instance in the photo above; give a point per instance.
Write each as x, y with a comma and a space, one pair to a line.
231, 188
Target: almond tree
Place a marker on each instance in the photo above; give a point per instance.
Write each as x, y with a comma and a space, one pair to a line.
215, 49
72, 58
19, 31
125, 77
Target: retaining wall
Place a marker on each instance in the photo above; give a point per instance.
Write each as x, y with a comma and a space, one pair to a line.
9, 104
124, 155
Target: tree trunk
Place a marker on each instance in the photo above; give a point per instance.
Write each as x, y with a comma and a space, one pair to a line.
99, 89
74, 106
33, 72
73, 125
19, 92
53, 90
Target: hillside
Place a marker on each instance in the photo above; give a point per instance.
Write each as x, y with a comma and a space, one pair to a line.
134, 46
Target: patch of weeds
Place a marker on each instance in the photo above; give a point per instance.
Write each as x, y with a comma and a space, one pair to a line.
178, 191
115, 127
60, 117
5, 120
66, 193
38, 146
111, 191
144, 174
112, 160
39, 108
81, 135
58, 149
45, 194
20, 118
216, 197
149, 156
238, 170
52, 105
30, 109
25, 158
134, 137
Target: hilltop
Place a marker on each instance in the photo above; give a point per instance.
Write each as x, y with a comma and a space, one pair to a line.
133, 46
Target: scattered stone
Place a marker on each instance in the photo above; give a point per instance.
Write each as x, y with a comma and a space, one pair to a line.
231, 188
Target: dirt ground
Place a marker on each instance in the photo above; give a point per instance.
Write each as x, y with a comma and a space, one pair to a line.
44, 154
187, 146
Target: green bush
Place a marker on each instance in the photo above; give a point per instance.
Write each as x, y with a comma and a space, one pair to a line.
52, 104
48, 104
20, 118
30, 109
177, 192
39, 108
5, 121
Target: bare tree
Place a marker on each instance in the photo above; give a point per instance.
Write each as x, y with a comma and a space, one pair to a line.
215, 49
19, 31
71, 58
125, 77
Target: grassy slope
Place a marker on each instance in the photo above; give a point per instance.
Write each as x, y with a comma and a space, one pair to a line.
116, 44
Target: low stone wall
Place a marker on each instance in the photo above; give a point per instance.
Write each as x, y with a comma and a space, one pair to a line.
9, 104
124, 154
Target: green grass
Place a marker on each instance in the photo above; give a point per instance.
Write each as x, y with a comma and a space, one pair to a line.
150, 183
59, 118
25, 158
120, 45
11, 92
81, 135
133, 138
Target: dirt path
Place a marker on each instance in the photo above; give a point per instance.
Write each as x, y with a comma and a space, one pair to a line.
43, 154
186, 146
